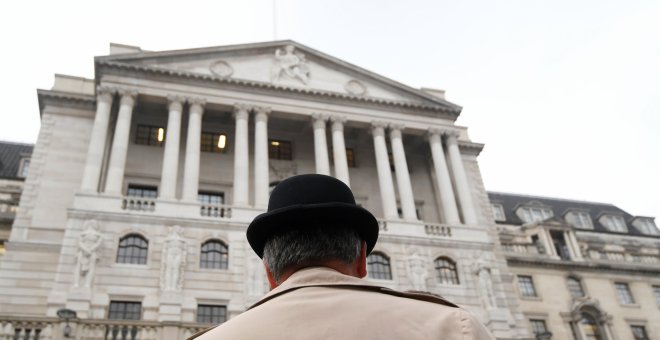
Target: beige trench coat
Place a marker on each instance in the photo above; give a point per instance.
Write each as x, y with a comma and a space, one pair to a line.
320, 303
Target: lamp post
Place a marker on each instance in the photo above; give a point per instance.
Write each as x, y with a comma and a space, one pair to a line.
66, 314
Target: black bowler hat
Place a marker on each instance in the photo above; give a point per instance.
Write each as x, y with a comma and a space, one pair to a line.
299, 200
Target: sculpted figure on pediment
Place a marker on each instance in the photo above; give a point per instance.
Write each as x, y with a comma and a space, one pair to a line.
88, 243
291, 64
173, 260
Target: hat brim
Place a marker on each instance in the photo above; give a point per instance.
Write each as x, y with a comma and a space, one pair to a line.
277, 221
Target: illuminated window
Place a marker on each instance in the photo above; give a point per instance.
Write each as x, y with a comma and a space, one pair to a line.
350, 158
211, 314
378, 266
149, 135
279, 149
590, 327
446, 269
214, 142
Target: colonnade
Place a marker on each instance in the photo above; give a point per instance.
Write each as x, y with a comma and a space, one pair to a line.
452, 196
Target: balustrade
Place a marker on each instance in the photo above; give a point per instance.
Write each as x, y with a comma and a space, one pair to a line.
437, 230
12, 329
215, 210
138, 204
118, 330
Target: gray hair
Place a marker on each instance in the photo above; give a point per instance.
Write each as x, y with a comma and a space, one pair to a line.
322, 241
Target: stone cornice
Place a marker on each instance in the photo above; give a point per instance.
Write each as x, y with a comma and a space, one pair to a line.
582, 266
49, 97
452, 112
470, 148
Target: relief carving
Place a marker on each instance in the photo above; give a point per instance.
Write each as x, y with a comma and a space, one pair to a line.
291, 64
173, 260
88, 243
221, 69
355, 87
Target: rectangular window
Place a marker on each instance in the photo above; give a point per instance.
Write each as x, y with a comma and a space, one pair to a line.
213, 142
210, 197
639, 332
25, 167
279, 149
656, 292
149, 135
498, 212
645, 226
538, 327
536, 214
211, 314
148, 191
614, 223
526, 285
583, 220
624, 293
125, 310
350, 158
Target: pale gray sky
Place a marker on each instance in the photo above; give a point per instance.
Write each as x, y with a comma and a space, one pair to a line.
565, 94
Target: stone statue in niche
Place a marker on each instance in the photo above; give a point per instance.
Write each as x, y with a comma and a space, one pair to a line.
291, 64
173, 260
417, 272
88, 243
482, 269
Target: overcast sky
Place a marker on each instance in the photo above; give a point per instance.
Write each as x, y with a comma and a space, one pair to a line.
565, 94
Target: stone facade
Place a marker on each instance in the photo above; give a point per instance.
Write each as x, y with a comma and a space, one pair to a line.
139, 173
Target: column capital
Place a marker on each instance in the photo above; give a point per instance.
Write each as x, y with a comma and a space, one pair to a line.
450, 134
433, 135
241, 110
175, 102
196, 101
261, 113
378, 128
318, 120
105, 93
128, 96
395, 130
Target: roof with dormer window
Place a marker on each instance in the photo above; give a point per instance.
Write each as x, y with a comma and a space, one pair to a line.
11, 154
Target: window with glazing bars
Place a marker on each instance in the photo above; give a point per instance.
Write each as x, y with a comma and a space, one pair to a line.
149, 135
214, 255
213, 142
279, 149
142, 191
624, 293
132, 249
211, 314
446, 269
209, 197
639, 332
526, 285
378, 266
125, 310
538, 326
575, 287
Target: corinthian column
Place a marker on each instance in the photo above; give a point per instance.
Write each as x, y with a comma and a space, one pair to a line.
447, 198
170, 169
339, 150
387, 195
191, 166
402, 174
320, 144
462, 186
261, 157
241, 157
92, 172
119, 149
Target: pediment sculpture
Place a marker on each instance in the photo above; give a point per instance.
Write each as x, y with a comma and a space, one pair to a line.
291, 64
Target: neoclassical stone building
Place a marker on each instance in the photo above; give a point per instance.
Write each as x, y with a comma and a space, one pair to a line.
583, 270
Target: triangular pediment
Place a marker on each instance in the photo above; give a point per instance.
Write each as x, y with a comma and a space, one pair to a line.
285, 64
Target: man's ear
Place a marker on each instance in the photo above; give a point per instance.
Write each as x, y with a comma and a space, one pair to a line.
271, 280
362, 260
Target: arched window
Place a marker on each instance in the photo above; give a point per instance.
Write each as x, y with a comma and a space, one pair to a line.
378, 266
132, 249
214, 255
575, 287
446, 269
590, 327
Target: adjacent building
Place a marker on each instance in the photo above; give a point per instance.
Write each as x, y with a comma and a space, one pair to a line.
14, 166
583, 270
